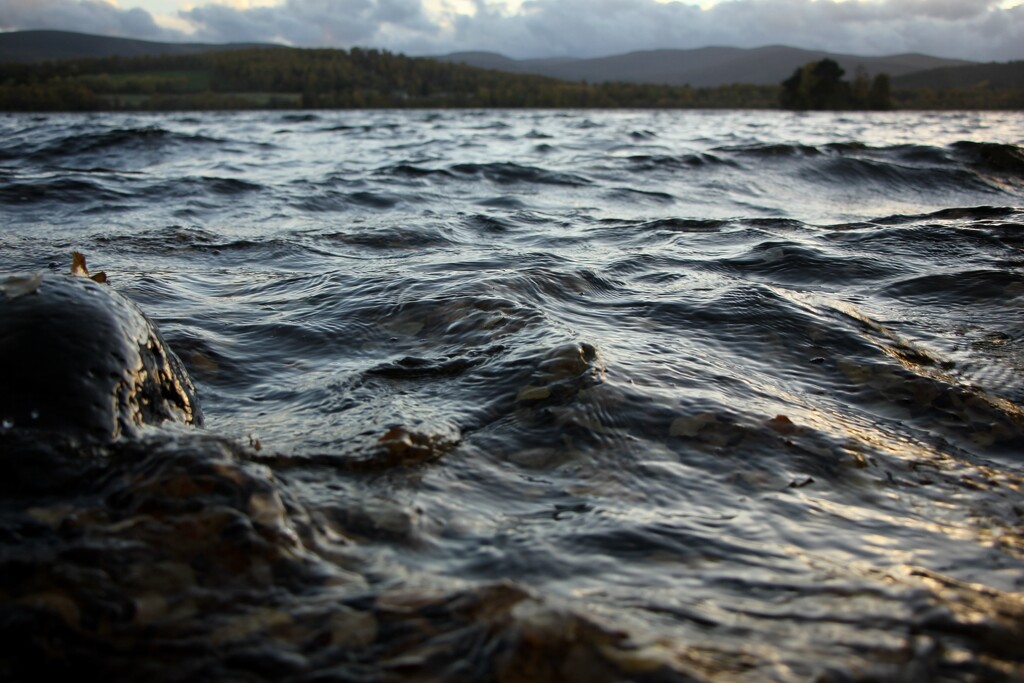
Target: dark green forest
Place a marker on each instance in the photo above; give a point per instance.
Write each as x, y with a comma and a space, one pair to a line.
288, 78
313, 79
820, 85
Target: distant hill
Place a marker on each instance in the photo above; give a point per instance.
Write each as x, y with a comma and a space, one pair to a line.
993, 75
39, 46
287, 78
702, 67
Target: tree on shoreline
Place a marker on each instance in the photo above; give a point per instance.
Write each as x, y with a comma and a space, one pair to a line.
820, 86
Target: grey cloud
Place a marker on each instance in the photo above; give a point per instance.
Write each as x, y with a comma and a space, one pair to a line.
310, 22
87, 17
404, 12
216, 23
977, 29
943, 9
973, 29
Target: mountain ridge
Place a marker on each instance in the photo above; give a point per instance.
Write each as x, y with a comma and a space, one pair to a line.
991, 75
47, 45
701, 67
709, 66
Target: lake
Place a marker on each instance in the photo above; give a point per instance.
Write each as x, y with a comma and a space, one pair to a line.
537, 395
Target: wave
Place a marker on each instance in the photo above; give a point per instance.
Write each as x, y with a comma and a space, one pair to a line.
731, 384
992, 157
963, 167
647, 162
506, 173
107, 145
389, 238
413, 171
793, 263
970, 213
202, 186
63, 190
959, 288
772, 150
334, 201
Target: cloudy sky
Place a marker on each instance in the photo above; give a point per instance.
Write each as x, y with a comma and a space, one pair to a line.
974, 29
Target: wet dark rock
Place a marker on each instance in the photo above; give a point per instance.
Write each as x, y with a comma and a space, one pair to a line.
80, 360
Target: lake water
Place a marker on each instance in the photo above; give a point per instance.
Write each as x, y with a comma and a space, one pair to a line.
540, 395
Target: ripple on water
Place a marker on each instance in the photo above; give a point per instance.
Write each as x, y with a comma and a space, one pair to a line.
540, 396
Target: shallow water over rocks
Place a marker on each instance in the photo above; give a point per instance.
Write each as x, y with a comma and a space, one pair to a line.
534, 395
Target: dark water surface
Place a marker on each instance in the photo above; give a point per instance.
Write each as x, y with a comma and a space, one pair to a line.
541, 396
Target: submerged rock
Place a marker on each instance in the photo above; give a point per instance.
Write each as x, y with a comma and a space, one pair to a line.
83, 361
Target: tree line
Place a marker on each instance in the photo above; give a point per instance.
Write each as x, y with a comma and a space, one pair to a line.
305, 78
820, 85
367, 78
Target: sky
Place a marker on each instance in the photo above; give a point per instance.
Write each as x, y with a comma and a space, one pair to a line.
983, 30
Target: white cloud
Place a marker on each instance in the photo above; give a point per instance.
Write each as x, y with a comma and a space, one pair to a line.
974, 29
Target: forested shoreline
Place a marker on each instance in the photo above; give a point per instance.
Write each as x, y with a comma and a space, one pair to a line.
289, 78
